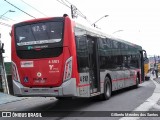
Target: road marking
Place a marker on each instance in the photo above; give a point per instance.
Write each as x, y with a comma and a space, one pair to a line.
151, 102
156, 106
157, 81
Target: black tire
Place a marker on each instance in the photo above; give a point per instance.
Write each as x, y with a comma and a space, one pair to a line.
147, 78
107, 89
60, 98
64, 98
137, 82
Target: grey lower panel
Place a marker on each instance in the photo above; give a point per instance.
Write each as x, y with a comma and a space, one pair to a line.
67, 89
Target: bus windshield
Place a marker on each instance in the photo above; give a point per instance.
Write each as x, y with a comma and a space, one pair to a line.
39, 33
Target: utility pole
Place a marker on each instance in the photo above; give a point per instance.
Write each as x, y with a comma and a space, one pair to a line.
74, 11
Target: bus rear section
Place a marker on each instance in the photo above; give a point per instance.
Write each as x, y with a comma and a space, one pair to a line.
60, 58
42, 59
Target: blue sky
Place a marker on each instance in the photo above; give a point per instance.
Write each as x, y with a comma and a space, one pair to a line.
137, 21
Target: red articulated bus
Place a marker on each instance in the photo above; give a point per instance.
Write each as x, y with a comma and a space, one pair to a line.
59, 57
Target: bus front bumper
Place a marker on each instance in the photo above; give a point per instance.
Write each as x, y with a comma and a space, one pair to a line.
67, 89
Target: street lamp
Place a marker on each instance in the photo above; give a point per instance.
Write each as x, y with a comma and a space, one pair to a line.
6, 13
117, 31
99, 20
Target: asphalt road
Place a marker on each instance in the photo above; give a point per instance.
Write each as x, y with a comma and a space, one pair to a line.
123, 100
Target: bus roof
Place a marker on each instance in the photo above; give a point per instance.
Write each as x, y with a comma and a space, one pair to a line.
98, 33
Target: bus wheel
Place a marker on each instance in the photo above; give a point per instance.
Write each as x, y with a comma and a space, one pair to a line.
59, 98
107, 89
137, 82
63, 98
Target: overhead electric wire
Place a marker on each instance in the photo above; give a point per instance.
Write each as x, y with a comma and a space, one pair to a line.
82, 14
68, 2
7, 18
63, 4
20, 9
34, 8
69, 6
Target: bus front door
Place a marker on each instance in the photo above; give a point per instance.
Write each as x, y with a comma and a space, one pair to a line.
94, 72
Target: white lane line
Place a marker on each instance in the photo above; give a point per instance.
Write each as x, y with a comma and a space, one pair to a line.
156, 106
148, 104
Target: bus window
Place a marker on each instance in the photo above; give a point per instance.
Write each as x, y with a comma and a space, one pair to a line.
39, 33
134, 61
45, 36
82, 50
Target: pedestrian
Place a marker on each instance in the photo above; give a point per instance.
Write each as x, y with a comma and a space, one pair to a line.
156, 72
152, 72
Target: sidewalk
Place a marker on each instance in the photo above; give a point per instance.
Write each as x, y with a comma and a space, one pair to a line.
157, 106
5, 98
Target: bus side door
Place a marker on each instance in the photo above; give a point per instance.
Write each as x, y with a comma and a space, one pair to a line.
94, 72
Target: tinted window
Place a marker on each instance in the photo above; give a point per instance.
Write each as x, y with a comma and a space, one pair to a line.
39, 39
82, 50
43, 53
134, 62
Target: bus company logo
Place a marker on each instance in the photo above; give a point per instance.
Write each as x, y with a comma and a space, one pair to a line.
39, 74
20, 115
6, 114
51, 67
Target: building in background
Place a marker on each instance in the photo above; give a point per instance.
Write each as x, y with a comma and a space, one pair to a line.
154, 61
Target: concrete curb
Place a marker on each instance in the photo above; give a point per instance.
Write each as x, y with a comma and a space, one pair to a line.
5, 98
149, 103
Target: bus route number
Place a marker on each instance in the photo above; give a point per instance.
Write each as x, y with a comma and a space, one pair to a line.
84, 78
